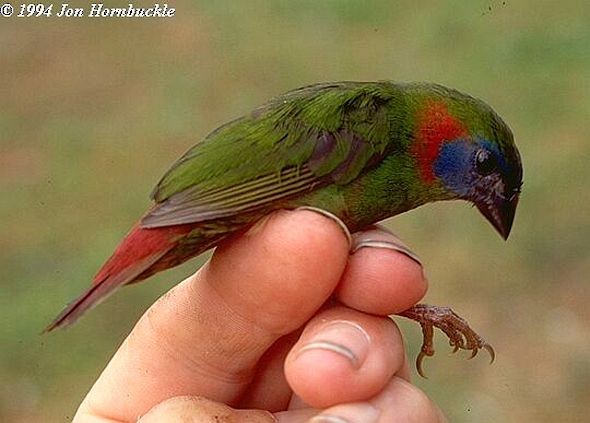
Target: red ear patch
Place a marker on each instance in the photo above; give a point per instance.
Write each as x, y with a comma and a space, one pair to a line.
435, 125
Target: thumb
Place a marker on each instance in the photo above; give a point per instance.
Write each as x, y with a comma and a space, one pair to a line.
207, 335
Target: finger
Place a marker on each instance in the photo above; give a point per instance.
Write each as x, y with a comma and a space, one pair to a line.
382, 276
400, 401
342, 356
202, 410
189, 409
206, 335
387, 276
269, 389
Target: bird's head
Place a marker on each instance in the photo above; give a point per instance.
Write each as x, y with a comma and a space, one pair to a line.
465, 148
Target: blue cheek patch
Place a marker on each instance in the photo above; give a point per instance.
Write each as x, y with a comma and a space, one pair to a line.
453, 165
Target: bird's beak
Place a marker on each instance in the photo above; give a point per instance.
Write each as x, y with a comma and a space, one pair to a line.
500, 212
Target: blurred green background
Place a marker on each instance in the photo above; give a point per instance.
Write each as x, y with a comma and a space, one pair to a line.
92, 112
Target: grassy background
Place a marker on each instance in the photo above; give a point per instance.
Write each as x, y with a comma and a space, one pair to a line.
92, 111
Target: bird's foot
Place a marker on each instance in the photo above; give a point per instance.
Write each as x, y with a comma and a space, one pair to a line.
461, 336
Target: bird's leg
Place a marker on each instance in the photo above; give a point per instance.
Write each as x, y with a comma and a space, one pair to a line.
460, 334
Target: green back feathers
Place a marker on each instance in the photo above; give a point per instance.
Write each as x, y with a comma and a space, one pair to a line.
279, 134
302, 140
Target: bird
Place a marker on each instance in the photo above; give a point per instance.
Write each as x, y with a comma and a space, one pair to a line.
361, 151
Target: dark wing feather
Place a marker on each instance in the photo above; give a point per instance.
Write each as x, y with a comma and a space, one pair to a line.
194, 205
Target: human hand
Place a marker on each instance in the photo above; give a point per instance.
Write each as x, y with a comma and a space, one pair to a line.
254, 329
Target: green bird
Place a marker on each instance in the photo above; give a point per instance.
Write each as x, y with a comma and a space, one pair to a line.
362, 151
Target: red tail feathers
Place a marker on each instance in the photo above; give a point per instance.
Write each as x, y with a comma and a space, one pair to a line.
138, 252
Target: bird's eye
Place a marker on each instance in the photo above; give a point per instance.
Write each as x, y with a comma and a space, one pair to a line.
485, 163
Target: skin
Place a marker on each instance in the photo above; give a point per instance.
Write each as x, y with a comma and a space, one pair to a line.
261, 355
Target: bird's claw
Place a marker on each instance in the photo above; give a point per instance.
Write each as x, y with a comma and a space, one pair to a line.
461, 336
490, 351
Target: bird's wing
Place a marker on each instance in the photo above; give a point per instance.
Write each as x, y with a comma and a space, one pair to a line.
296, 143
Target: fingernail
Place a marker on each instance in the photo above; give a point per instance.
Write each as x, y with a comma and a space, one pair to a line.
378, 237
360, 412
342, 337
333, 217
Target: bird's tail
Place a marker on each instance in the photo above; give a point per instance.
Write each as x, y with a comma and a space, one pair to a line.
139, 255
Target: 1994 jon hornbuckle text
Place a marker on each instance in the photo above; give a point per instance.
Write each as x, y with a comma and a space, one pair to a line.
94, 10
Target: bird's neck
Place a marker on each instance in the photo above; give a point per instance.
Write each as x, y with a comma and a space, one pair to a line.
392, 188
